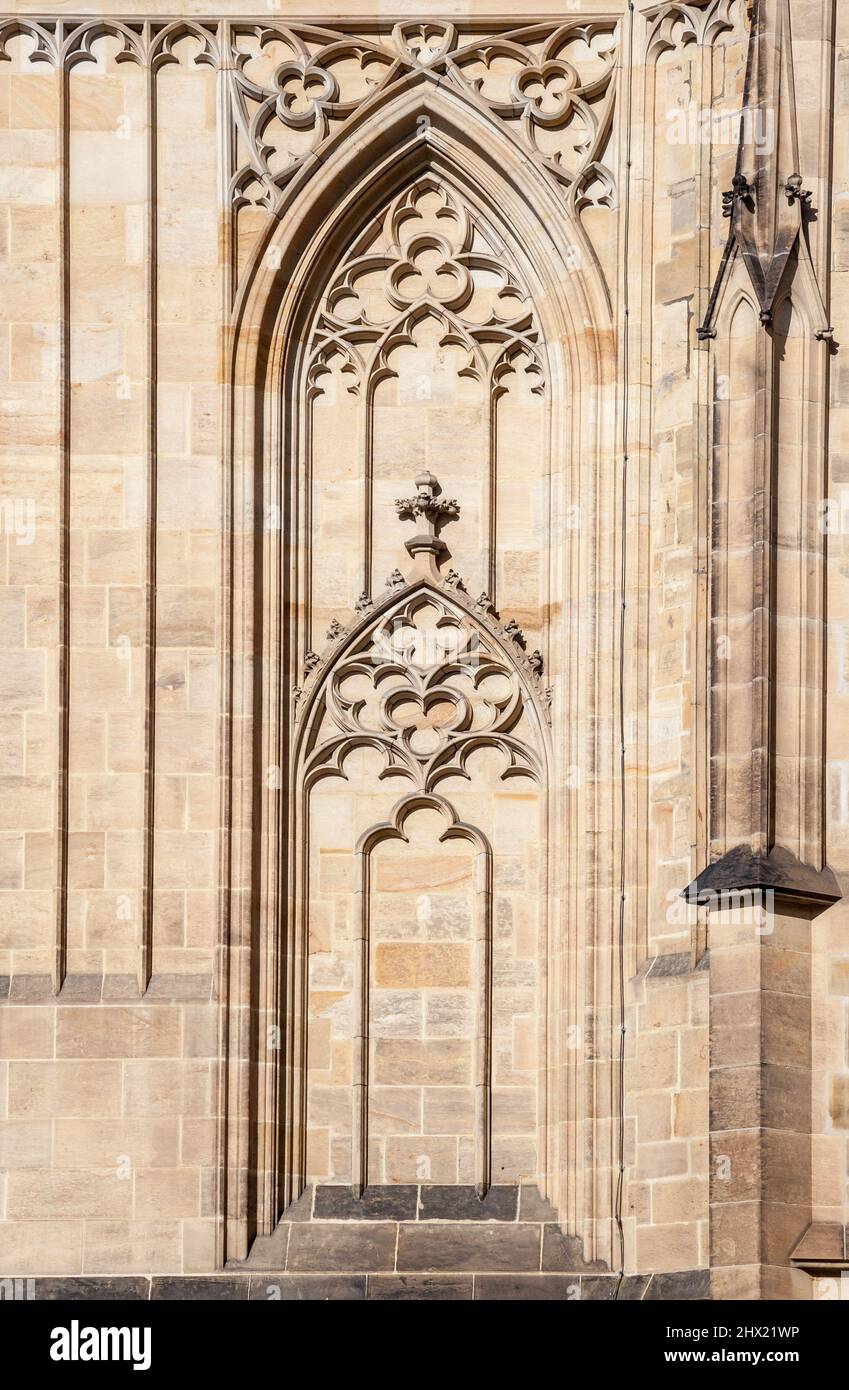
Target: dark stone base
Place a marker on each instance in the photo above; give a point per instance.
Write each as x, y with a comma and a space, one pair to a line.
270, 1287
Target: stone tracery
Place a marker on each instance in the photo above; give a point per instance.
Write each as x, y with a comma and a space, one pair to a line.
426, 257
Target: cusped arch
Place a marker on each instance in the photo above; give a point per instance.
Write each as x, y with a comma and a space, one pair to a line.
393, 828
417, 129
405, 134
365, 646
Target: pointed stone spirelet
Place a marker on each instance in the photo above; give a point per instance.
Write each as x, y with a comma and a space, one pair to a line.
430, 510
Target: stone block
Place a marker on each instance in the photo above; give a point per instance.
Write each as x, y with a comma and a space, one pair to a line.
459, 1203
421, 965
473, 1246
346, 1247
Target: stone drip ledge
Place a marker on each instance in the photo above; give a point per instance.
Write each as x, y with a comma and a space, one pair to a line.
164, 988
823, 1249
687, 1285
673, 966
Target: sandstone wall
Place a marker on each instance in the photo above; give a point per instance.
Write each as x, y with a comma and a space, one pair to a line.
139, 1031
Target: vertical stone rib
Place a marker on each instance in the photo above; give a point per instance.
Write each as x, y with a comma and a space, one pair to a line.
359, 1031
225, 739
64, 701
492, 520
146, 944
483, 1038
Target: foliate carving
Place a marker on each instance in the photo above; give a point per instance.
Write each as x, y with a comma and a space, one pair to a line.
426, 695
428, 505
430, 510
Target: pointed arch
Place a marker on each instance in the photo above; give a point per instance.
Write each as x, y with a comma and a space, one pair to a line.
420, 127
393, 828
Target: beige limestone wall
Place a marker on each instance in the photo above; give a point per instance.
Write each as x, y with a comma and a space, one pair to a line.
829, 964
109, 1141
112, 363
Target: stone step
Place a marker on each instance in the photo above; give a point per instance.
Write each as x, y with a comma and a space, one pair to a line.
688, 1285
424, 1229
241, 1284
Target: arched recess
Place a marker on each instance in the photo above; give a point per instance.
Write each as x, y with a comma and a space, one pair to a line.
419, 131
432, 688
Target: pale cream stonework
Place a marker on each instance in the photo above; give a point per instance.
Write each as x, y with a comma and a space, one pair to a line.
326, 858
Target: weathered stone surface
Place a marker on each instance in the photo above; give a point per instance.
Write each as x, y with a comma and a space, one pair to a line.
99, 1289
473, 1246
463, 1204
527, 1288
343, 1246
687, 1285
308, 1288
387, 1203
564, 1252
218, 1289
402, 1288
355, 518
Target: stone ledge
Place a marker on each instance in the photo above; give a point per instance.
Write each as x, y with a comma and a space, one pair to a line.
419, 1202
823, 1249
779, 872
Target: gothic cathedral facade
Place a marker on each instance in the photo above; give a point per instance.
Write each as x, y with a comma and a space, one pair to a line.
424, 829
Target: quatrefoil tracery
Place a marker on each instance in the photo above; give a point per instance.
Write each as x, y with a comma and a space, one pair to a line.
426, 698
327, 76
426, 257
555, 74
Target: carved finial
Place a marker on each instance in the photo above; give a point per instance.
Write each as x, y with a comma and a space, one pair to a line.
740, 190
795, 192
430, 510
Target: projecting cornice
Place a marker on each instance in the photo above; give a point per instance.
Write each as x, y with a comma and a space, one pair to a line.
779, 874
